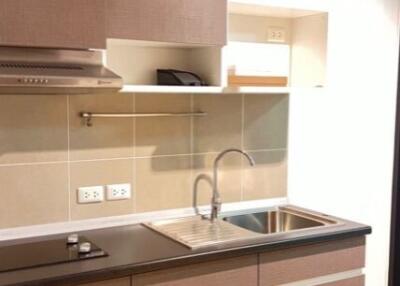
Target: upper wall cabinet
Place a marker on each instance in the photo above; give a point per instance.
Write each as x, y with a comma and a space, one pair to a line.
76, 24
179, 21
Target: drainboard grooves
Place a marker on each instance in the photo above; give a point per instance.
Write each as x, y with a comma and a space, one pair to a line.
195, 232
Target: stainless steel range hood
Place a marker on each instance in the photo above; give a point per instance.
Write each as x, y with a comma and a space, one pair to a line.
54, 71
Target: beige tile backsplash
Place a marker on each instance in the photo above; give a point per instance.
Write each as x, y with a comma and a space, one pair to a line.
33, 194
265, 122
222, 127
162, 183
46, 153
101, 172
110, 138
267, 178
33, 129
162, 135
229, 177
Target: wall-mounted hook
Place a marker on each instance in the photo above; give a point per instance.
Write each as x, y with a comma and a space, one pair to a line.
87, 116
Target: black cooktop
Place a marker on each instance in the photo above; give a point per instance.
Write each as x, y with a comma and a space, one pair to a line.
45, 253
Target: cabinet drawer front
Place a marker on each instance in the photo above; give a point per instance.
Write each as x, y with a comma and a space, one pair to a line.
183, 21
302, 263
53, 23
233, 272
125, 281
356, 281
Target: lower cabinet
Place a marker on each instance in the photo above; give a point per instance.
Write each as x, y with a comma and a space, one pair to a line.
328, 261
238, 271
334, 263
125, 281
356, 281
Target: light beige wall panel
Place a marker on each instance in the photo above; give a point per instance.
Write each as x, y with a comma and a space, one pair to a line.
268, 178
221, 128
160, 135
108, 137
208, 64
33, 128
163, 183
265, 122
33, 194
229, 177
250, 28
309, 50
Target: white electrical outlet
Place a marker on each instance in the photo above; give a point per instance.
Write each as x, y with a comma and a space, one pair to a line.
93, 194
276, 35
118, 192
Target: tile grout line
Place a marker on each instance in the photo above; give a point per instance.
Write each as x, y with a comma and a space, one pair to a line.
68, 160
242, 147
134, 175
126, 158
191, 160
34, 163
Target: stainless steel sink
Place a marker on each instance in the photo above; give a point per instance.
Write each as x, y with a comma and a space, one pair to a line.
198, 232
279, 220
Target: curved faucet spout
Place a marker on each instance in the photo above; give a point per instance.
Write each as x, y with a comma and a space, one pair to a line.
216, 198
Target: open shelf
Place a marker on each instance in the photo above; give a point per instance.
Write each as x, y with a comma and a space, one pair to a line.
137, 62
171, 89
277, 8
257, 90
204, 89
300, 56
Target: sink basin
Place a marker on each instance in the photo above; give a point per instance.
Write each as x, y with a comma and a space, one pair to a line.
275, 221
199, 232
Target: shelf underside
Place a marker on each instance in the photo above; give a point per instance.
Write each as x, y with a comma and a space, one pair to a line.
204, 89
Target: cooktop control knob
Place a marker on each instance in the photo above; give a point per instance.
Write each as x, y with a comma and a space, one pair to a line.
85, 247
72, 238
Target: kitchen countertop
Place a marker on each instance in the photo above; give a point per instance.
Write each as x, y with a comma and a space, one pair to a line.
136, 249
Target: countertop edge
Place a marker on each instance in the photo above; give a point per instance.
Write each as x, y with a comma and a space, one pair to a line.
138, 268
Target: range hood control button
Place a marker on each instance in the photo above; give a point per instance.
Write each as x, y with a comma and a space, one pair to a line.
72, 238
85, 247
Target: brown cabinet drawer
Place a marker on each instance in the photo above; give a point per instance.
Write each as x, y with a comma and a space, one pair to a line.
182, 21
125, 281
53, 23
233, 272
301, 263
356, 281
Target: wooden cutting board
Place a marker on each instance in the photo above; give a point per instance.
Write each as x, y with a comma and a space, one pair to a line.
239, 80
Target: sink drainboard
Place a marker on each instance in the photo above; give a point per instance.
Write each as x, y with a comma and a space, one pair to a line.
196, 232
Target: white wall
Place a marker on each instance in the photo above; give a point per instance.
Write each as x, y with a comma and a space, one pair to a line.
341, 139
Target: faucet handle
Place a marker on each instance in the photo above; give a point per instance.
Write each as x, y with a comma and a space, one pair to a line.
218, 203
215, 208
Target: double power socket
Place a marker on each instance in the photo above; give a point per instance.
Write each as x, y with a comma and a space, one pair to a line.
95, 194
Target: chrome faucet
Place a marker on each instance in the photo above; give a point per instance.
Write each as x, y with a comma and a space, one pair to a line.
216, 198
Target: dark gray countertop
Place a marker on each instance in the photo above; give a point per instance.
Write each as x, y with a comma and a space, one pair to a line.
136, 249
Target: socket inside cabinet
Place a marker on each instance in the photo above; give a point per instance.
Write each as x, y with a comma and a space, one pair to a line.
269, 44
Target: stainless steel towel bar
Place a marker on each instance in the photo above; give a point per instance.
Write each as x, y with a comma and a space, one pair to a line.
88, 115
